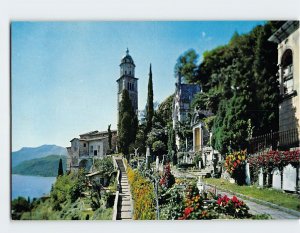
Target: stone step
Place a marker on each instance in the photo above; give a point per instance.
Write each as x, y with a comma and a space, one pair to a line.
125, 208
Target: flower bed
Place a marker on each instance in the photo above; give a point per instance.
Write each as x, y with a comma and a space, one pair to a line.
184, 202
208, 206
142, 194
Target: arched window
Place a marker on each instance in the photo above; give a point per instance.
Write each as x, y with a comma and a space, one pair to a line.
287, 72
133, 86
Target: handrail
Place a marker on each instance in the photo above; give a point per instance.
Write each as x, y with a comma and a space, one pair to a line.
115, 209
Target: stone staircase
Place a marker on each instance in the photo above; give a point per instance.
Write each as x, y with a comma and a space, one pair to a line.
124, 203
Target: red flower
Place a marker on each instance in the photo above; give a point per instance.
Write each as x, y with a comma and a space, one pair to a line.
234, 199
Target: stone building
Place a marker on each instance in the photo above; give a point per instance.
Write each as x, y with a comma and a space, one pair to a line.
88, 146
287, 38
201, 135
202, 138
183, 97
128, 81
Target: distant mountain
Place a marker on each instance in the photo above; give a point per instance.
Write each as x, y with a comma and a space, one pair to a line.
46, 166
28, 153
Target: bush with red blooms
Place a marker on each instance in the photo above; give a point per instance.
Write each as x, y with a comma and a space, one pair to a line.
167, 179
233, 207
207, 206
274, 159
194, 206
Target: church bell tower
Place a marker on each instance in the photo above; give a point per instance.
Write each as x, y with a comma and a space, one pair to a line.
128, 81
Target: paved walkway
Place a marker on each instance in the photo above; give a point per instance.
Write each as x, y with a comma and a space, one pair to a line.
125, 204
254, 208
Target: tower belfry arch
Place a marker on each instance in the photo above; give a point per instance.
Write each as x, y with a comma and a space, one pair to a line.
128, 81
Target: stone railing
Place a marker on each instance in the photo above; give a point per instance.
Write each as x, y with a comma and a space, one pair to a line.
115, 209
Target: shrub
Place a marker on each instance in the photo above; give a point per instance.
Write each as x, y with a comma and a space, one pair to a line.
232, 207
142, 194
172, 204
168, 178
235, 166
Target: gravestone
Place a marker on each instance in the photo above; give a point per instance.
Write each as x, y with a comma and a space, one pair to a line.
247, 171
289, 178
157, 163
148, 158
261, 178
276, 181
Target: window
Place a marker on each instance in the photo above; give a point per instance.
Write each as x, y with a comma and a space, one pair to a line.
99, 149
125, 71
84, 144
133, 86
95, 152
127, 86
91, 149
287, 72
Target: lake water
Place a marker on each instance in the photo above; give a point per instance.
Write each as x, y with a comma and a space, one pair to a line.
31, 186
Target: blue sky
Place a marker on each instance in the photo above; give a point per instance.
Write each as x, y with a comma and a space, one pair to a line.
64, 73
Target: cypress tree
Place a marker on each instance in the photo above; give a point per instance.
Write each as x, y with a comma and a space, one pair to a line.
150, 109
172, 146
128, 123
60, 171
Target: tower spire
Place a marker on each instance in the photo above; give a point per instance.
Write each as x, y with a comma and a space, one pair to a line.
127, 51
150, 72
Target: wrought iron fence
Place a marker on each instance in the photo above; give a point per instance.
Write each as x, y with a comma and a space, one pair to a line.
281, 140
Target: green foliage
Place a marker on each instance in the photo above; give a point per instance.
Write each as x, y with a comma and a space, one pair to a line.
172, 145
197, 159
19, 206
67, 187
46, 166
128, 123
240, 85
60, 171
172, 203
165, 110
159, 148
149, 107
105, 166
141, 137
186, 66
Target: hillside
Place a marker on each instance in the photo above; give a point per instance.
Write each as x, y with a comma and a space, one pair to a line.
28, 153
46, 166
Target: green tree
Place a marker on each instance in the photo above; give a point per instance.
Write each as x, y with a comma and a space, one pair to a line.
240, 86
19, 206
172, 145
150, 109
186, 66
128, 124
165, 110
60, 171
159, 148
